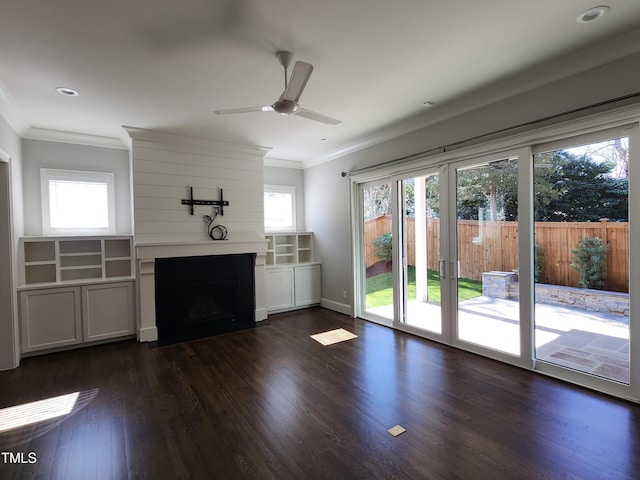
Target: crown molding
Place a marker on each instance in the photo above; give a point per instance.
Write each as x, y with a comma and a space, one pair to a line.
4, 156
171, 140
282, 163
74, 138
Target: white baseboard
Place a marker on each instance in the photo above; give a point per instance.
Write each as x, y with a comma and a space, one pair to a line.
149, 334
344, 308
260, 314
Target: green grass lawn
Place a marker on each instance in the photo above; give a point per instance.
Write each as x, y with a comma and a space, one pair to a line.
380, 291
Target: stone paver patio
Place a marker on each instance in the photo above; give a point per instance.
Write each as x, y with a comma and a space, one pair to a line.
590, 342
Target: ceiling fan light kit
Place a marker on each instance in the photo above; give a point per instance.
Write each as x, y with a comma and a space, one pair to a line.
294, 85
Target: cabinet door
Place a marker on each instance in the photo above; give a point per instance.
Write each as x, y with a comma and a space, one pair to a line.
307, 285
107, 310
50, 318
279, 287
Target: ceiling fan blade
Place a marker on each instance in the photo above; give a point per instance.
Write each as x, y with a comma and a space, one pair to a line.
318, 117
297, 81
267, 108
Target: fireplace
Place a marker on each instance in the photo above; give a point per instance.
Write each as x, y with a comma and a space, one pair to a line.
150, 252
201, 296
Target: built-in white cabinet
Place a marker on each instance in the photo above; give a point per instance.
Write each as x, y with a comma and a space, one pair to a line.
107, 311
307, 284
63, 316
75, 290
293, 278
279, 286
292, 287
50, 318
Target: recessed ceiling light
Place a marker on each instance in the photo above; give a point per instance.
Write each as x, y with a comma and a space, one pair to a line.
68, 92
592, 14
427, 104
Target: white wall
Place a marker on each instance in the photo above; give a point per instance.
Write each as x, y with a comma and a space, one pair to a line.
327, 193
11, 227
289, 177
327, 214
39, 154
165, 166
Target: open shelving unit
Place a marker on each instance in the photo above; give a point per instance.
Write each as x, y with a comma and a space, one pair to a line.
39, 262
305, 248
289, 248
47, 260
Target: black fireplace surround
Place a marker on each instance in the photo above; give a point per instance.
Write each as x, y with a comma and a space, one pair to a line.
201, 296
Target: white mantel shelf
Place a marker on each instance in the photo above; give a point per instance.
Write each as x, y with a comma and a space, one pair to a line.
153, 250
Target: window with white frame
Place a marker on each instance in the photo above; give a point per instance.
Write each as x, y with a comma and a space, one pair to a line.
77, 203
279, 208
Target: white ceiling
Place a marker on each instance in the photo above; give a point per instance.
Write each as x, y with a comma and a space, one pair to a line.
167, 64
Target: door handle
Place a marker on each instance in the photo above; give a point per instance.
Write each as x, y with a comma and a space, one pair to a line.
454, 270
441, 268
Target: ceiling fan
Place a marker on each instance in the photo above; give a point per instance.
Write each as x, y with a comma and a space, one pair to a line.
288, 104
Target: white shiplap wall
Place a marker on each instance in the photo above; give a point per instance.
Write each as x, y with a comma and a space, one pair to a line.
166, 165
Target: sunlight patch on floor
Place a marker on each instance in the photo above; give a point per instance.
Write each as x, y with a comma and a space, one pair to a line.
333, 336
34, 412
397, 430
22, 423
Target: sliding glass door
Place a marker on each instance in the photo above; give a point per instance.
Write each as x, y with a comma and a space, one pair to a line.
421, 289
582, 226
377, 253
524, 256
458, 255
486, 259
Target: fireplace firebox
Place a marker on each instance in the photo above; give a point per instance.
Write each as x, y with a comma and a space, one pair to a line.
201, 296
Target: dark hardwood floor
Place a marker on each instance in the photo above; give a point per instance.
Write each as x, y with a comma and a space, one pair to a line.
271, 403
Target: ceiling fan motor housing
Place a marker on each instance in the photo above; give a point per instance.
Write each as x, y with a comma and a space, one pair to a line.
285, 107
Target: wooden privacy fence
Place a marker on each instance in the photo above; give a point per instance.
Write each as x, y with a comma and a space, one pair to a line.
486, 246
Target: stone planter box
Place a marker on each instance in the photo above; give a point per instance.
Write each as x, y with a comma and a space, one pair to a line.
505, 285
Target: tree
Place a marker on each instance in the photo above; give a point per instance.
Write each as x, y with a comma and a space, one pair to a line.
579, 184
490, 188
432, 187
377, 201
579, 189
545, 166
409, 198
615, 151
